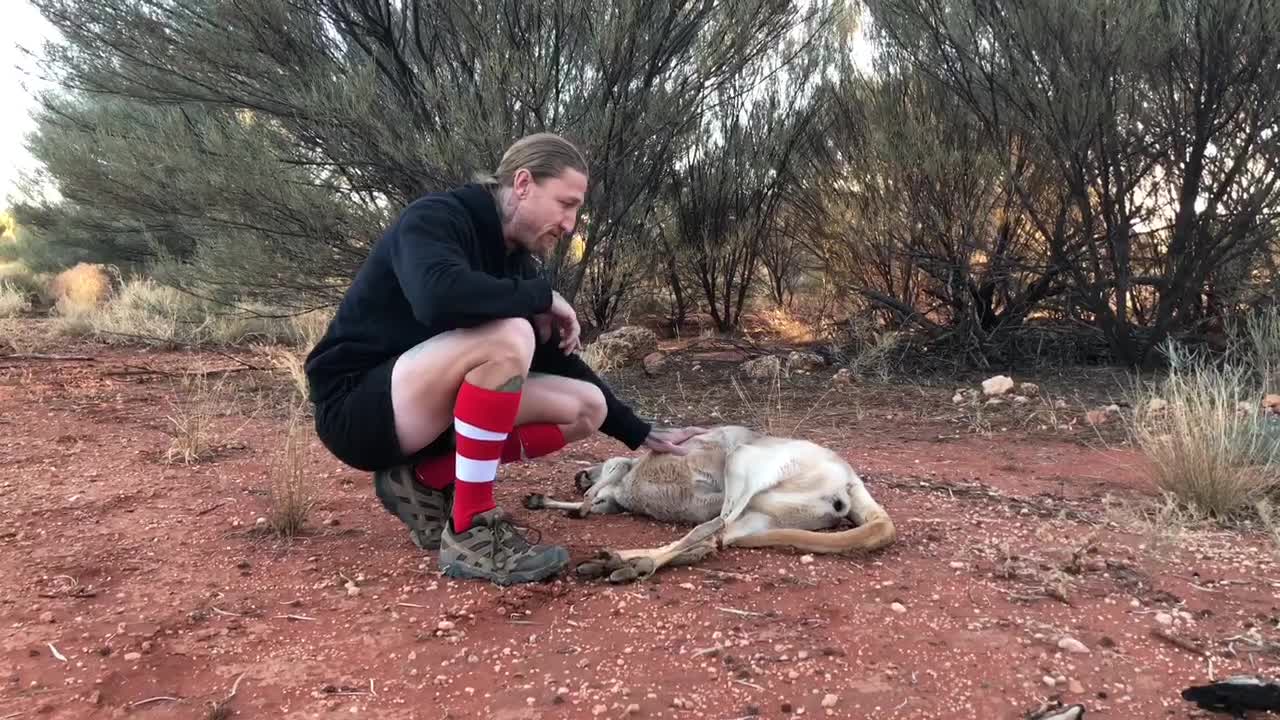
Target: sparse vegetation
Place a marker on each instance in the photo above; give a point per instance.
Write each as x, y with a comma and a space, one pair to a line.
13, 301
145, 312
292, 491
1203, 429
191, 412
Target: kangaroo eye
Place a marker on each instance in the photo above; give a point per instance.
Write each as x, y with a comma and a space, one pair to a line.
838, 505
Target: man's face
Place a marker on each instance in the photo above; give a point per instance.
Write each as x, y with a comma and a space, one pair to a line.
547, 210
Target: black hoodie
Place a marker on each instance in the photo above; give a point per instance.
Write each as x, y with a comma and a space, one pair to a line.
442, 266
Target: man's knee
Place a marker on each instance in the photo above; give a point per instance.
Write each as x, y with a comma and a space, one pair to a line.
594, 408
510, 341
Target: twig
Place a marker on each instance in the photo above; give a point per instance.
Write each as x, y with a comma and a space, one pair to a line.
210, 509
148, 701
224, 612
371, 692
43, 356
57, 654
706, 651
723, 574
404, 604
1179, 642
750, 685
295, 617
747, 613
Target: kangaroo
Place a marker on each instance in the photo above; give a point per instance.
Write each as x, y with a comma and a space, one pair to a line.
739, 488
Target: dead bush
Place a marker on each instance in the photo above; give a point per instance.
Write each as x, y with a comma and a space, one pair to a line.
82, 287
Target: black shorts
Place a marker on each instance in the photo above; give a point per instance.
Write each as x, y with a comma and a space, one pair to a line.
356, 422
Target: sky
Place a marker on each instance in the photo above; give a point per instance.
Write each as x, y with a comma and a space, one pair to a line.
27, 30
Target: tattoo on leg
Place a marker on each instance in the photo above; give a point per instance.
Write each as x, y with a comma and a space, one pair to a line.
513, 384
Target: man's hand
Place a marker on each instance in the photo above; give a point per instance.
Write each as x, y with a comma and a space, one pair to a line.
668, 441
566, 319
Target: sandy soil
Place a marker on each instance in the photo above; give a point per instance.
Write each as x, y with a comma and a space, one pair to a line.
136, 587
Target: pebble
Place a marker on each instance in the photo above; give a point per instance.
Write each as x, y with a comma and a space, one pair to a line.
599, 710
46, 616
132, 656
444, 626
830, 701
1049, 681
633, 709
802, 655
1164, 618
806, 559
1073, 645
260, 522
352, 590
898, 608
957, 565
793, 675
1075, 687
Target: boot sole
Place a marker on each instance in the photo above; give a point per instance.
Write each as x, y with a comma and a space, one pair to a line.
461, 571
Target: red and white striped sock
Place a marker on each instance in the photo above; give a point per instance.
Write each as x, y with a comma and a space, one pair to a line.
525, 442
482, 419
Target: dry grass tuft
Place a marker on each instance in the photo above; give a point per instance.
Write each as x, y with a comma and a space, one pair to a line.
13, 301
293, 492
1206, 436
193, 409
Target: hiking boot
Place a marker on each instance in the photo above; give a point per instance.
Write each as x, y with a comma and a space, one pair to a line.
421, 508
492, 549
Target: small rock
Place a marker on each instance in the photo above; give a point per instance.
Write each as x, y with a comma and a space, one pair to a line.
752, 710
1074, 686
243, 565
1164, 618
1097, 417
1048, 681
654, 363
767, 367
997, 385
352, 590
898, 608
46, 617
1155, 405
132, 656
793, 675
331, 521
260, 522
445, 626
1029, 390
830, 701
96, 698
599, 710
633, 709
1021, 399
957, 565
958, 398
802, 655
786, 708
843, 379
1271, 404
1073, 645
806, 559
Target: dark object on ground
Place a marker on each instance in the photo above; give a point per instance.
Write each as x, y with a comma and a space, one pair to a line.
1235, 695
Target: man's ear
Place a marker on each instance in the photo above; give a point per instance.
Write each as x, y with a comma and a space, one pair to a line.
520, 182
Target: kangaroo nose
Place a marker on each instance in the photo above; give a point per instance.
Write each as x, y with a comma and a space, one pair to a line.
582, 480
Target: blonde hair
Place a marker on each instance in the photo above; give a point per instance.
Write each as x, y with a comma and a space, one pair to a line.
544, 155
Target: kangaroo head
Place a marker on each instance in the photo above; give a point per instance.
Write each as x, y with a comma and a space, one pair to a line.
607, 471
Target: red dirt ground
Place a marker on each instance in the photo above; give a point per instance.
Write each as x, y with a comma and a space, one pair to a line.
149, 582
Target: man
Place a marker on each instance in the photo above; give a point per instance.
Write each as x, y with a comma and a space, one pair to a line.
449, 355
